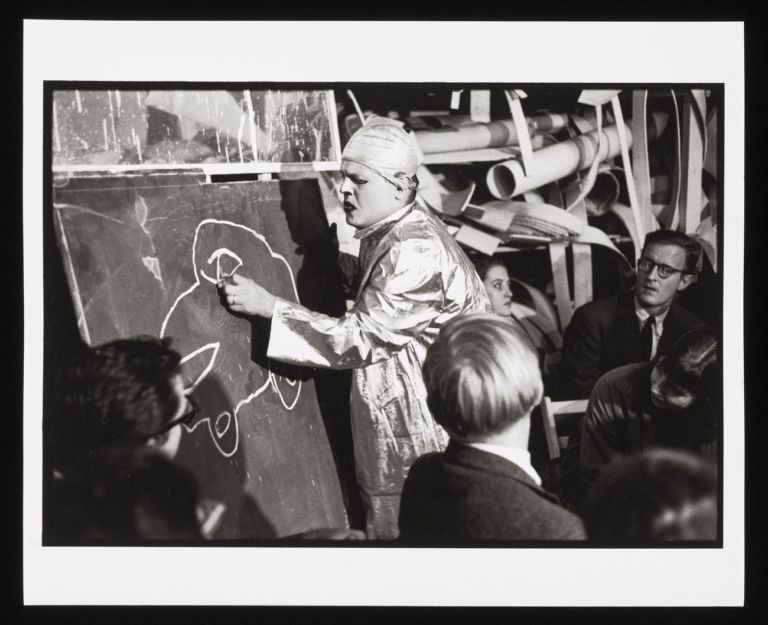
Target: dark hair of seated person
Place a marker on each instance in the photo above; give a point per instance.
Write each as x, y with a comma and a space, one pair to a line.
119, 393
126, 496
692, 363
658, 495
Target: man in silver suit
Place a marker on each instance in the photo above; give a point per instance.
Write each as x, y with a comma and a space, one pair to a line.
411, 278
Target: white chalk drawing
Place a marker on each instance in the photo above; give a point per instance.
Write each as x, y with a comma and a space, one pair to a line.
225, 426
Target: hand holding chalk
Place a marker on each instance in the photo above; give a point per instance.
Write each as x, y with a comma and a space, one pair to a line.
243, 295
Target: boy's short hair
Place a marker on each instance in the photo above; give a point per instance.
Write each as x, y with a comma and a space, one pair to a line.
481, 375
689, 245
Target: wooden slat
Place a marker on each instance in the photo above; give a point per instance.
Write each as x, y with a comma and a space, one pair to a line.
569, 406
550, 431
560, 279
640, 165
633, 202
692, 163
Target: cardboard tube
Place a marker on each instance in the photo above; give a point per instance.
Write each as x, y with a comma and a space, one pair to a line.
508, 179
493, 134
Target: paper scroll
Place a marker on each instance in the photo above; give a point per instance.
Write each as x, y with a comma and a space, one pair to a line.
477, 240
508, 179
493, 134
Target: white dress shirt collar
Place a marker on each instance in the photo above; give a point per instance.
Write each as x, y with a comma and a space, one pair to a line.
520, 457
658, 325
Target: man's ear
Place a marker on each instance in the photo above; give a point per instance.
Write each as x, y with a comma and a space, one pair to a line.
404, 184
686, 280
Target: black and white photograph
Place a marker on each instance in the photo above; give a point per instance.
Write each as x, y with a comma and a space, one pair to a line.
328, 326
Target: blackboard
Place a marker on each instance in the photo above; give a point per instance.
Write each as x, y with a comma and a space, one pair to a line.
143, 257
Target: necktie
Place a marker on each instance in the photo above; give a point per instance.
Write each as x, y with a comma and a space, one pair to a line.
646, 338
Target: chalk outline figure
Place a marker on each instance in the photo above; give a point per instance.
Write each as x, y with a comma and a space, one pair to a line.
216, 430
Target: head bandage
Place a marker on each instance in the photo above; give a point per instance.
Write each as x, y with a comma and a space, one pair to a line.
383, 146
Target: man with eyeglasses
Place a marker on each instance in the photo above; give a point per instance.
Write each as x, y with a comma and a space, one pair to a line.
120, 397
633, 327
125, 393
412, 277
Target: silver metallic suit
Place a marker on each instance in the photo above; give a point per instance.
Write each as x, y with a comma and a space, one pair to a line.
413, 278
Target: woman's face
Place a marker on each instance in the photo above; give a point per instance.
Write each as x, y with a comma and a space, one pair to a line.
497, 285
666, 394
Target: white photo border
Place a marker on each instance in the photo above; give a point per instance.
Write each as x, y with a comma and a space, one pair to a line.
450, 52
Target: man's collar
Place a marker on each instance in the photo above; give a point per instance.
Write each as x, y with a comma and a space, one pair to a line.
396, 216
520, 457
643, 314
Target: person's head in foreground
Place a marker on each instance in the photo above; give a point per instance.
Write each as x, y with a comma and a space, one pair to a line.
668, 264
378, 167
127, 392
129, 494
483, 380
687, 374
659, 495
495, 277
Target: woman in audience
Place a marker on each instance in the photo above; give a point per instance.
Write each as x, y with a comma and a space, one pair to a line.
498, 284
658, 495
669, 402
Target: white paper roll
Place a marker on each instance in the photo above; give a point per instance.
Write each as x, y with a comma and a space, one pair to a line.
493, 134
508, 179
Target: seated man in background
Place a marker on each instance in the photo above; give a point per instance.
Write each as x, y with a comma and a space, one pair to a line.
670, 402
659, 495
482, 379
635, 327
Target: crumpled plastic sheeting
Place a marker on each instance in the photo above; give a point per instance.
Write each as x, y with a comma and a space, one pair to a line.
414, 278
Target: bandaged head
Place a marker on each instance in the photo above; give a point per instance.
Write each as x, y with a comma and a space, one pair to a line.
383, 146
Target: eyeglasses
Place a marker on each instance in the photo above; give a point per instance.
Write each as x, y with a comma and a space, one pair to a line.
192, 409
665, 271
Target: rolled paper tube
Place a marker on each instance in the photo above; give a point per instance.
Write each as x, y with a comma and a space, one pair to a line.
551, 122
508, 179
493, 134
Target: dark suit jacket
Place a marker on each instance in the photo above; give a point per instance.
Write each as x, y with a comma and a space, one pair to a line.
603, 335
467, 494
621, 420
